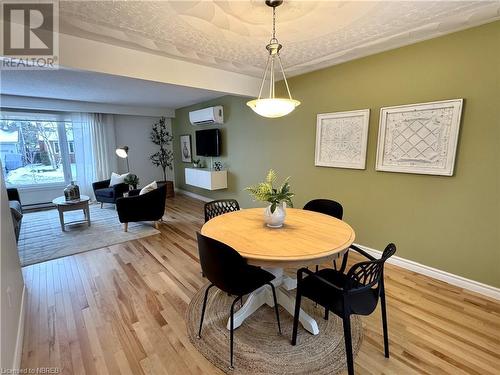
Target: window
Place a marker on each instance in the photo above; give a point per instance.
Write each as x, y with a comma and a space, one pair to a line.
32, 152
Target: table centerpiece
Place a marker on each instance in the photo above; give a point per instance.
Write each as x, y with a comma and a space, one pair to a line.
277, 199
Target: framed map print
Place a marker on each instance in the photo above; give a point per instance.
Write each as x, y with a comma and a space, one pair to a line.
341, 139
419, 138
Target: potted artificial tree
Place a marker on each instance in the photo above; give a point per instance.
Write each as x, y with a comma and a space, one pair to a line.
164, 157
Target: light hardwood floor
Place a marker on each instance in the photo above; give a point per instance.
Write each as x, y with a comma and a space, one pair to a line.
120, 310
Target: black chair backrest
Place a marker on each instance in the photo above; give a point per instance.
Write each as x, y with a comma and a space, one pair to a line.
156, 199
219, 207
220, 263
325, 206
149, 206
365, 275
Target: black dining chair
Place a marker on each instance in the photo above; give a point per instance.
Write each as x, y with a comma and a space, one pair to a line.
356, 292
325, 206
331, 208
228, 271
219, 207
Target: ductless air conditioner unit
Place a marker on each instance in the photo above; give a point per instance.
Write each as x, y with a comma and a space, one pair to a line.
207, 116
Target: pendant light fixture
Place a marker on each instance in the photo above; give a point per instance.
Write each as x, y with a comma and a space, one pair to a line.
272, 106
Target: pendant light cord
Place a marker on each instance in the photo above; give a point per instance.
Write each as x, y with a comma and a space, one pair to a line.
272, 83
271, 66
274, 23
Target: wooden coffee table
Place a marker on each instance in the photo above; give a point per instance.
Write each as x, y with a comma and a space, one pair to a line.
79, 204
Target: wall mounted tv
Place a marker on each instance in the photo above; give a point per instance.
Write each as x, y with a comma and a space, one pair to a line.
208, 142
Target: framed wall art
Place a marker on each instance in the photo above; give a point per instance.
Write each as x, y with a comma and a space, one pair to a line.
341, 139
186, 148
419, 138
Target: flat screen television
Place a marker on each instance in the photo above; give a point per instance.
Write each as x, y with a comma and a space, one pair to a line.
208, 142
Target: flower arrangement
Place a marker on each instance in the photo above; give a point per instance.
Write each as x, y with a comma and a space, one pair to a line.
132, 180
197, 163
266, 192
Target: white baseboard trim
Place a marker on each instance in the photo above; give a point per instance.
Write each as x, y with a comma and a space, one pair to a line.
16, 363
461, 282
193, 195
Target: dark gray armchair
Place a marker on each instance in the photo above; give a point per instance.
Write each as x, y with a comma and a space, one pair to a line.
108, 194
146, 207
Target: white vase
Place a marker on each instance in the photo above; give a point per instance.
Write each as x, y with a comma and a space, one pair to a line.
277, 218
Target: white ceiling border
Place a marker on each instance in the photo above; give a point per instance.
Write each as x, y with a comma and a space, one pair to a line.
48, 104
89, 55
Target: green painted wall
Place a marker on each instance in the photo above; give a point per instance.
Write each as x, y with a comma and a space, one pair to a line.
450, 223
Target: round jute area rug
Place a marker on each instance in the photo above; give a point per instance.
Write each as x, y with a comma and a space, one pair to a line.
258, 347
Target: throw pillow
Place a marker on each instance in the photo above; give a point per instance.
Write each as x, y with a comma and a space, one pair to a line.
117, 178
146, 189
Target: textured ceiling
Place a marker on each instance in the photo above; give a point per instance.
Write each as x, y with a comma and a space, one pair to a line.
232, 34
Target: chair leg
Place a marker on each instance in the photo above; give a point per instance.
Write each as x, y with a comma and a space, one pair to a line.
101, 204
348, 344
203, 310
327, 313
231, 335
125, 227
296, 317
276, 306
384, 324
317, 269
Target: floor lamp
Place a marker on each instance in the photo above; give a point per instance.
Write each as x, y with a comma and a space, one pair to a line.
122, 152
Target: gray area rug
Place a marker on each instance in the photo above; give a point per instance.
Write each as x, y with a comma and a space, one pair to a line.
259, 349
42, 239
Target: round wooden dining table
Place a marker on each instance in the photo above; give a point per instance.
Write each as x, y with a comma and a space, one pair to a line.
306, 238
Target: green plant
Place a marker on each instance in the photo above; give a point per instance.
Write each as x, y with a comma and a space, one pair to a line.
132, 179
266, 192
161, 137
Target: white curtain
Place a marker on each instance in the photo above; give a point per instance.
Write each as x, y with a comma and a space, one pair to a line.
102, 128
94, 149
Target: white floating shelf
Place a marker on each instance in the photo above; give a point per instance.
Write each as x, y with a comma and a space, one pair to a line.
206, 178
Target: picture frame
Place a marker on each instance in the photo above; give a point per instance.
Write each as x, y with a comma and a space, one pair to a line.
419, 138
341, 139
185, 147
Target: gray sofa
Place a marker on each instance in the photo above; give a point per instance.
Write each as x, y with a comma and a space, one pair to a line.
16, 210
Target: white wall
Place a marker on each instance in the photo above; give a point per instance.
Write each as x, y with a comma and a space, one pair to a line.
48, 104
84, 54
134, 132
40, 195
12, 286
